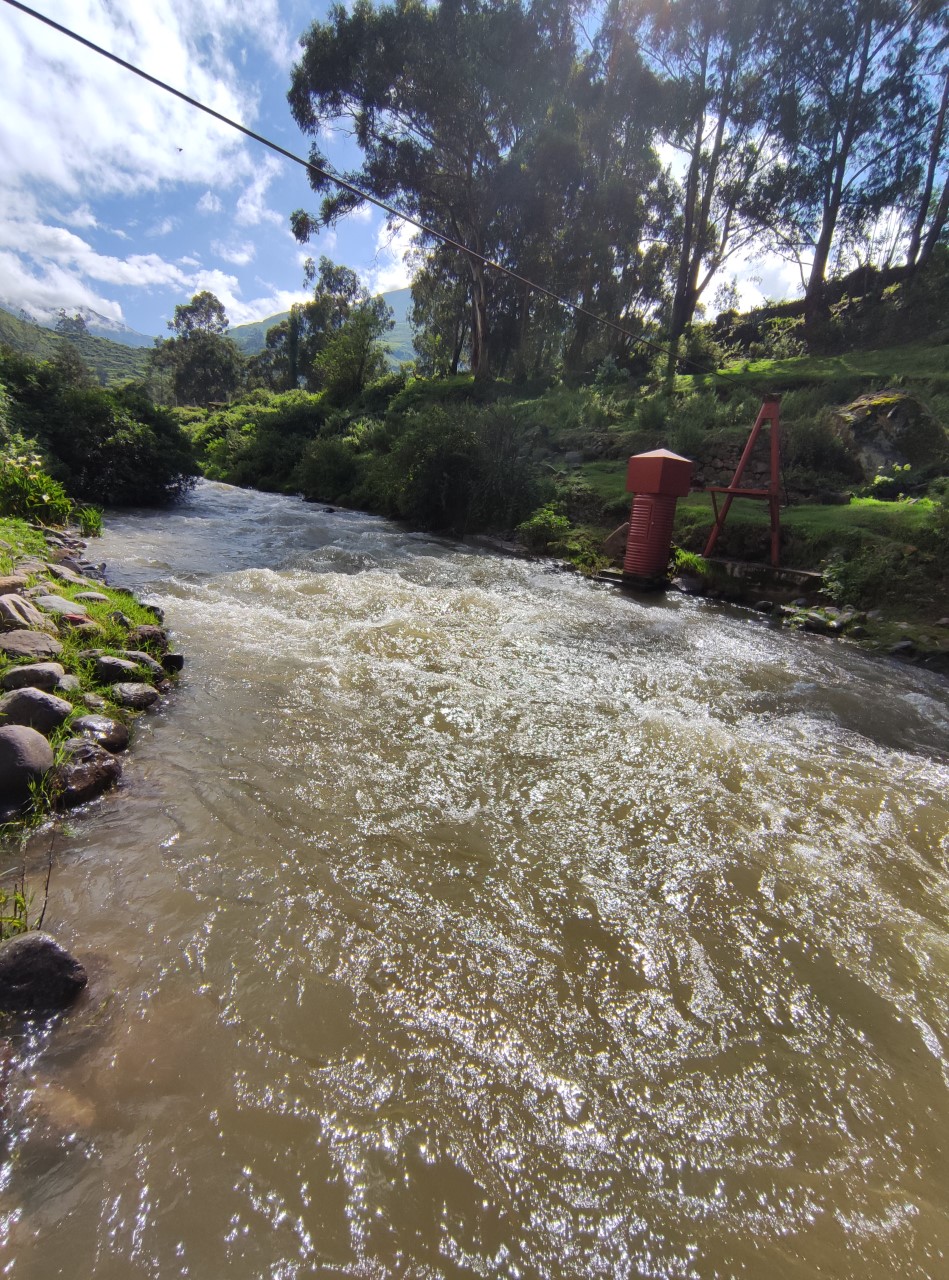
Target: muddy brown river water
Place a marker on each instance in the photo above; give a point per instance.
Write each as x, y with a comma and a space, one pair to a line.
461, 918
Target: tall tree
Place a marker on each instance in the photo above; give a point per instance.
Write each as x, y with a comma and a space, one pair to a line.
710, 57
205, 364
932, 191
852, 115
438, 97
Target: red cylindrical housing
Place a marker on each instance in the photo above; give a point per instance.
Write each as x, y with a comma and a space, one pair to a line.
658, 479
650, 535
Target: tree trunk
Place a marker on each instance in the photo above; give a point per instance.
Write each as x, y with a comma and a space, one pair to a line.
915, 241
480, 365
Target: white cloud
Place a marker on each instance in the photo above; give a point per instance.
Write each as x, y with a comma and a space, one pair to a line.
162, 227
71, 120
252, 207
238, 254
389, 269
80, 217
209, 203
42, 292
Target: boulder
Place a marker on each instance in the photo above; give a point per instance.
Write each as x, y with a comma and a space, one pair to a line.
95, 702
10, 583
37, 974
25, 756
68, 571
173, 662
36, 675
145, 660
891, 427
41, 711
149, 637
110, 670
93, 597
87, 771
18, 612
59, 604
29, 644
108, 733
134, 695
68, 684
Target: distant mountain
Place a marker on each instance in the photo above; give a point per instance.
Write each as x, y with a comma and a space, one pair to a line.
98, 325
252, 338
108, 361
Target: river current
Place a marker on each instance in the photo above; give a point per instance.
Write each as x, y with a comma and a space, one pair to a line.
457, 917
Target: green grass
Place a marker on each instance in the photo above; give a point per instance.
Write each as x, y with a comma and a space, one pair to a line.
918, 363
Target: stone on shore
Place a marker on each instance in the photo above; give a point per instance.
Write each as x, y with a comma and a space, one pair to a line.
87, 771
108, 733
142, 659
18, 613
36, 675
59, 604
109, 670
173, 662
37, 974
34, 708
25, 756
10, 583
149, 636
134, 695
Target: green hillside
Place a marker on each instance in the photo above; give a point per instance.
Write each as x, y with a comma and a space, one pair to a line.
252, 338
110, 362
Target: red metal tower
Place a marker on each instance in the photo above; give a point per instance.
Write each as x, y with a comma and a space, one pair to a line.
768, 413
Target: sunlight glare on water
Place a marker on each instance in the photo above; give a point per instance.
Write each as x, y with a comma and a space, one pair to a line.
462, 918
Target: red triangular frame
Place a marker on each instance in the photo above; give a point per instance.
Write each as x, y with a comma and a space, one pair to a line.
767, 414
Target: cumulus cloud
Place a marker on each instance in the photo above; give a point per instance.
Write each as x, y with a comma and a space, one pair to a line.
75, 122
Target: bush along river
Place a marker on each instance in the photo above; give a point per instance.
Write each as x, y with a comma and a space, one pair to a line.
461, 918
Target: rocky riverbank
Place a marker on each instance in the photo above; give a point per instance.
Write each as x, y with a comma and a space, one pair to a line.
79, 661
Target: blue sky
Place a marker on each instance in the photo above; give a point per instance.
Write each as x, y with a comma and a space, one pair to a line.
120, 198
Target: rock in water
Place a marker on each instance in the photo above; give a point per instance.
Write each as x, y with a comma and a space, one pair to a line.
87, 771
134, 695
33, 707
152, 636
108, 733
25, 756
37, 974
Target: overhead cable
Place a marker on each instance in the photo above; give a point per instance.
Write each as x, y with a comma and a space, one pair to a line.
329, 176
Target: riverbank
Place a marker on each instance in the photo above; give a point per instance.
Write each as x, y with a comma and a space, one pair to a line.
79, 660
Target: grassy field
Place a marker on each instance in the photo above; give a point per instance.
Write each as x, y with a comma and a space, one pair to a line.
918, 363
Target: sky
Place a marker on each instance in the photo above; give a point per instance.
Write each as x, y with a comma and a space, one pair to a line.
120, 198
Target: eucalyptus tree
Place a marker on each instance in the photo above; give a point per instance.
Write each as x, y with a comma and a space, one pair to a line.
204, 363
440, 99
931, 195
293, 344
852, 117
711, 59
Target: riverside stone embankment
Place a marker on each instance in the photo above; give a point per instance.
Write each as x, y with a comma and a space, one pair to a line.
79, 661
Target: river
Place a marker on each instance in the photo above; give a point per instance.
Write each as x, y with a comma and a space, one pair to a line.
458, 917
